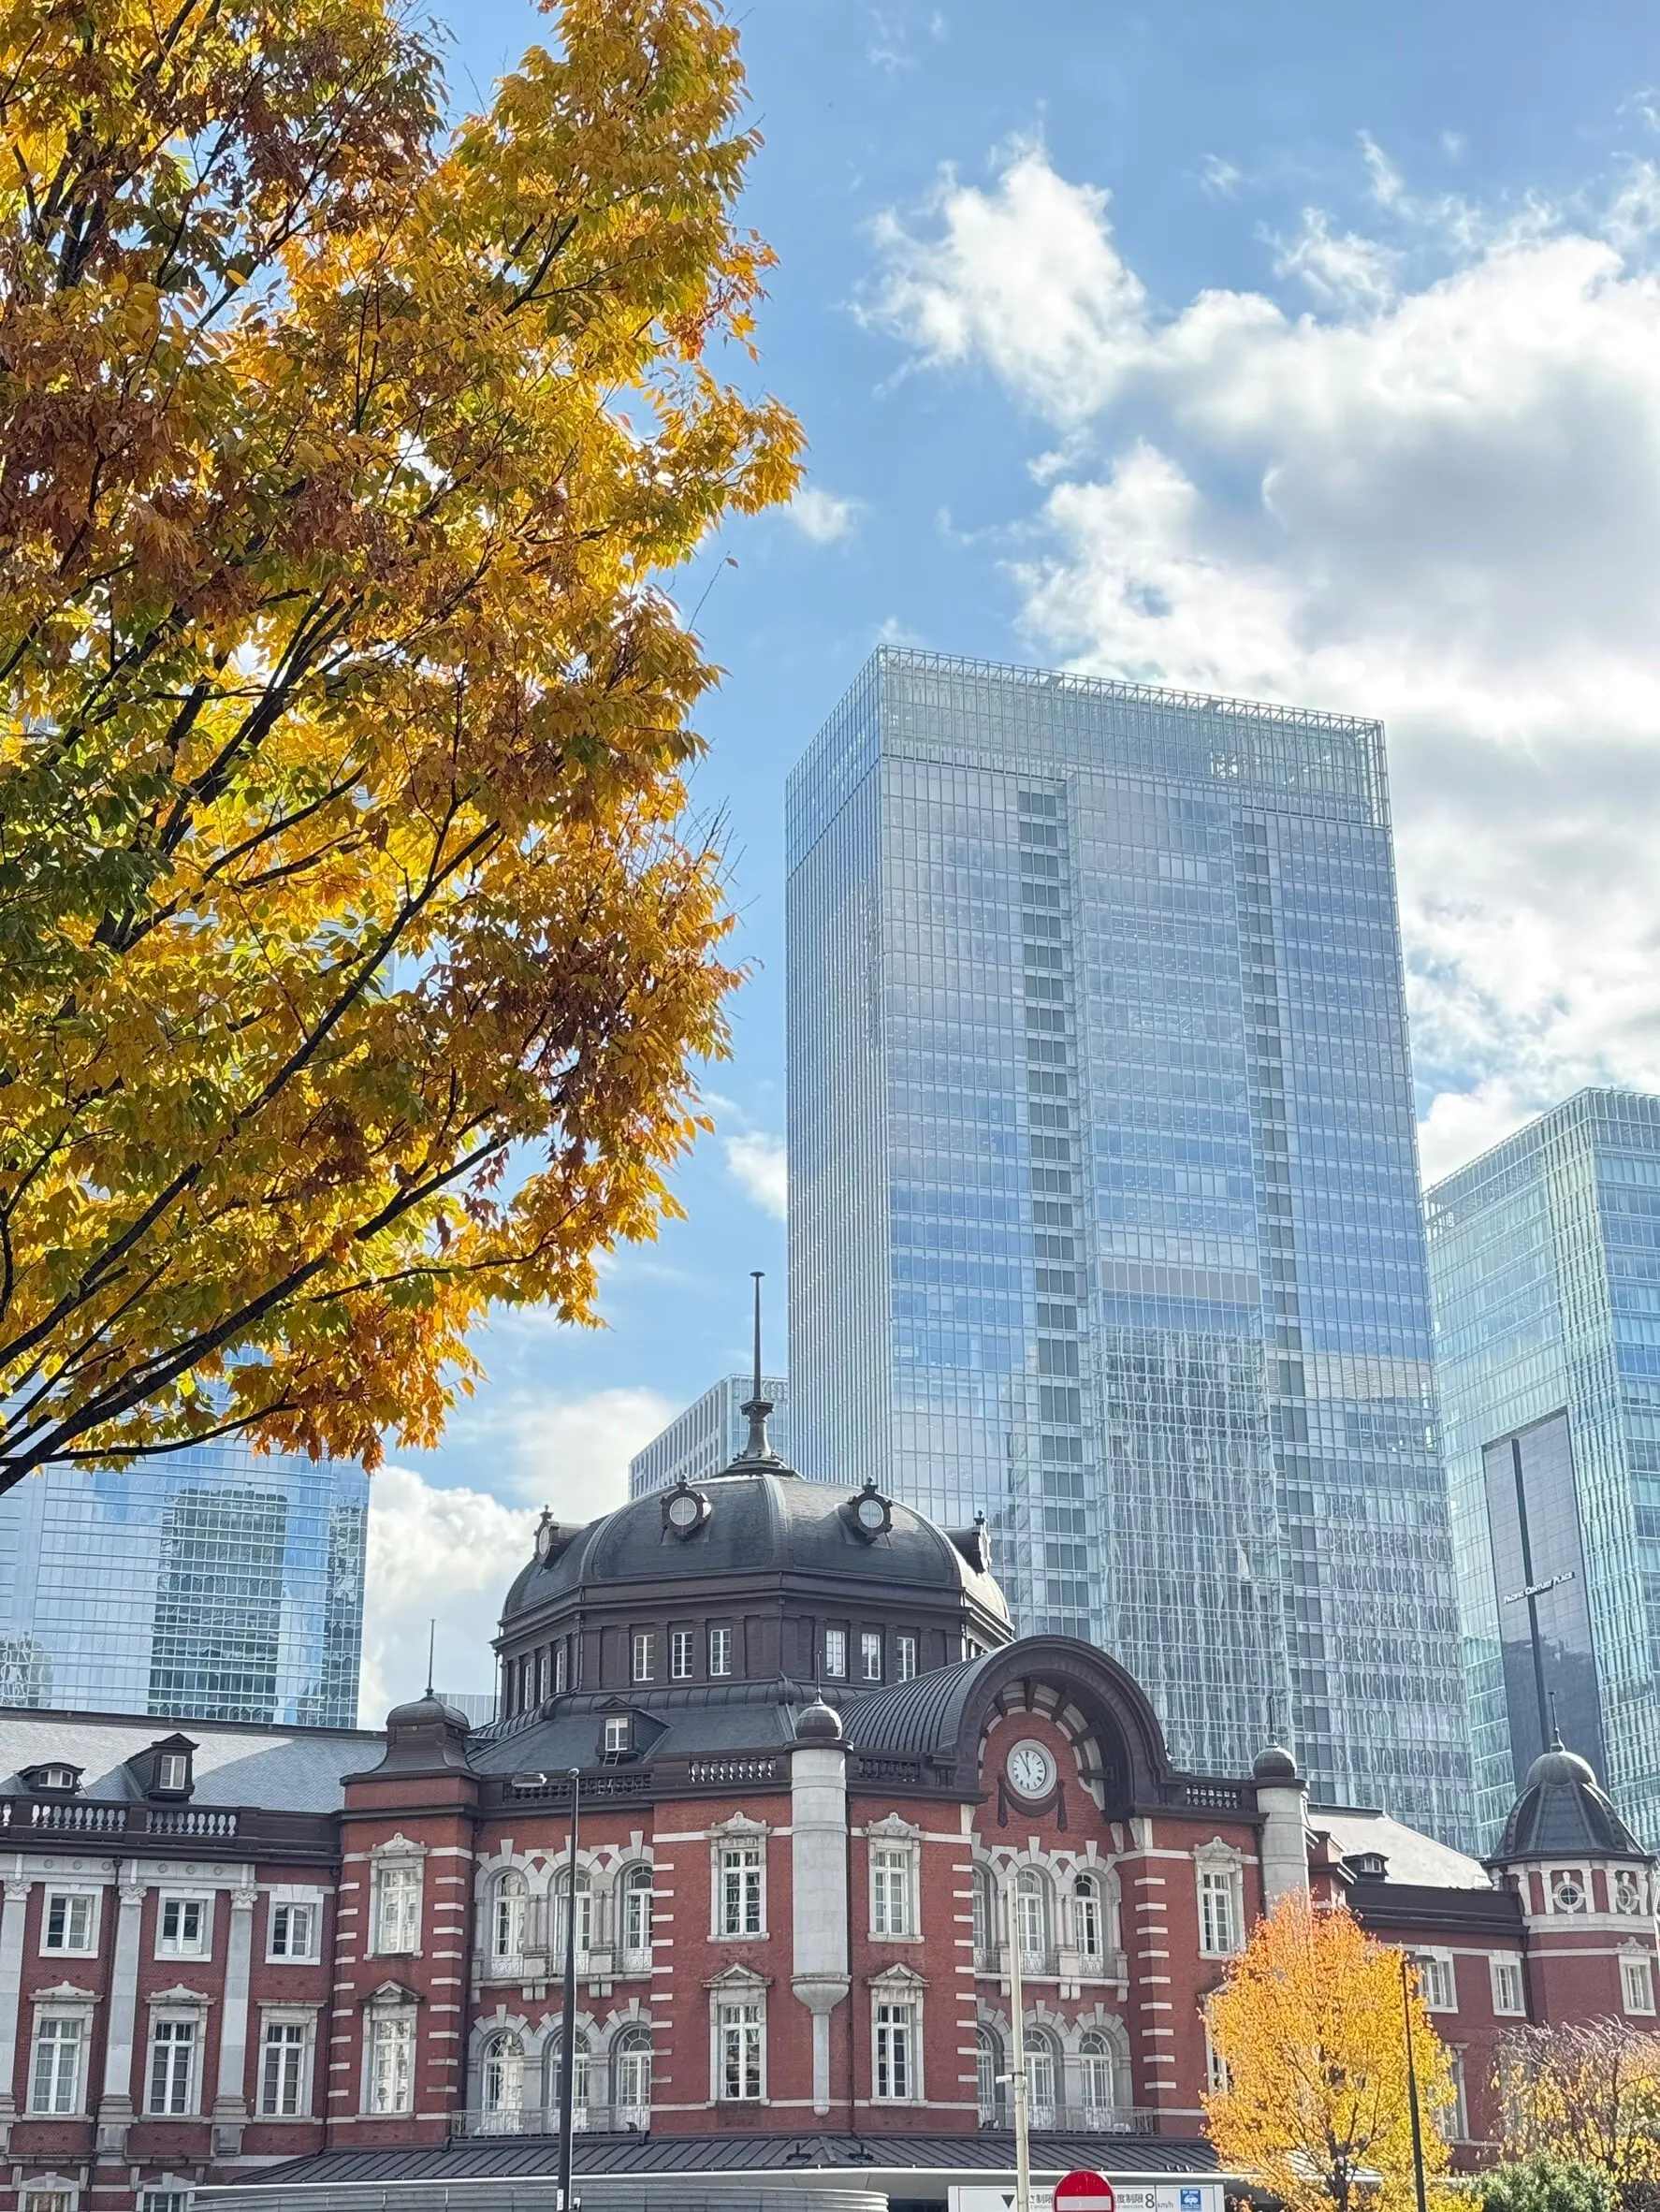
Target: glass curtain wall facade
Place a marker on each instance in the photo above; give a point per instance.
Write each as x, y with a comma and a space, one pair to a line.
212, 1585
1545, 1265
710, 1434
1104, 1201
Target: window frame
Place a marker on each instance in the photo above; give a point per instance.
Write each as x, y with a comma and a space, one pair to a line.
287, 2017
1499, 1965
740, 1871
164, 2019
630, 1889
1430, 1963
288, 1899
1637, 1964
746, 2001
895, 2048
1217, 1876
835, 1653
632, 2043
181, 1899
642, 1661
871, 1655
719, 1653
55, 2014
383, 2022
683, 1648
893, 1854
398, 1872
69, 1894
907, 1655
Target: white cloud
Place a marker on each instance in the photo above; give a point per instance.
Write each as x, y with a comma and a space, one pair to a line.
823, 516
1220, 178
1435, 500
759, 1163
447, 1555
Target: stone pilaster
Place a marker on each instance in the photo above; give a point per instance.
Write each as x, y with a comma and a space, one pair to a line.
230, 2104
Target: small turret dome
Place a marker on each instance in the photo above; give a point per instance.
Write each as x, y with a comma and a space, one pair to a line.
818, 1722
427, 1711
1561, 1810
1559, 1764
1273, 1765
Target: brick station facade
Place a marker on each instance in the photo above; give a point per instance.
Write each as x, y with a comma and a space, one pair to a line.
821, 1785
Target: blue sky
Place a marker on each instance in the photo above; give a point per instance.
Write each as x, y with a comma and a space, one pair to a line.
1279, 349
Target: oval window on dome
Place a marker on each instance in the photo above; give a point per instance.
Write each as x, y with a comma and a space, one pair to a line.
685, 1511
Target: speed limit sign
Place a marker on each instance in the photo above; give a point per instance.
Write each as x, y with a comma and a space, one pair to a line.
1083, 2191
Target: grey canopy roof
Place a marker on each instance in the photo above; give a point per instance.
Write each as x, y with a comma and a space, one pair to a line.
1562, 1813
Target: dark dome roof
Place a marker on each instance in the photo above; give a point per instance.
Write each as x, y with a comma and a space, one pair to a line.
1273, 1765
427, 1711
818, 1722
761, 1519
1562, 1812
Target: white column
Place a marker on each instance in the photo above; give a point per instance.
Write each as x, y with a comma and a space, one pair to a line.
115, 2106
1285, 1838
230, 2106
13, 1905
818, 1862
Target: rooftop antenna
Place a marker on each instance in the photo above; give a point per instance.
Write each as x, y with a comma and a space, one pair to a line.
758, 1446
1556, 1743
432, 1647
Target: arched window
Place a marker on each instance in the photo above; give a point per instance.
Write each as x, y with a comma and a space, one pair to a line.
503, 2083
637, 1917
556, 2070
631, 2079
561, 1914
1095, 2061
988, 2066
510, 1902
1088, 1922
986, 1917
1031, 1916
1040, 2078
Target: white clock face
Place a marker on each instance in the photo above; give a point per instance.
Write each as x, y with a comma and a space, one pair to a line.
1030, 1769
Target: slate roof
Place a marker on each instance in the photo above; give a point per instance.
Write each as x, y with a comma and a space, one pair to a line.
1562, 1813
490, 2156
236, 1763
1412, 1859
761, 1520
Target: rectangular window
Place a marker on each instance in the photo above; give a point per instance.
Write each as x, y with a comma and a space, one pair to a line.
398, 1906
164, 2200
890, 1892
293, 1931
680, 1648
895, 2071
1507, 1987
1637, 1980
1217, 2077
1437, 1982
1219, 1934
904, 1658
543, 1686
184, 1928
55, 2086
391, 2064
1452, 2122
835, 1653
871, 1655
172, 2067
71, 1922
617, 1734
740, 2053
740, 1890
643, 1656
561, 1668
172, 1771
719, 1650
282, 2080
54, 2199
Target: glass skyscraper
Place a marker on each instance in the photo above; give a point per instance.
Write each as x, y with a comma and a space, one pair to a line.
1545, 1263
1104, 1205
710, 1434
214, 1583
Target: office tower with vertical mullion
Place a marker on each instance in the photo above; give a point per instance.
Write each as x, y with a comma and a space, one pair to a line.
1104, 1203
1545, 1264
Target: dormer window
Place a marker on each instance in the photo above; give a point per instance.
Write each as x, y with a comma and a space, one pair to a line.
870, 1515
617, 1741
57, 1777
172, 1771
684, 1510
1368, 1866
166, 1769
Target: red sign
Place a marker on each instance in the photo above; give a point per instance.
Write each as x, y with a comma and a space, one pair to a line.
1083, 2191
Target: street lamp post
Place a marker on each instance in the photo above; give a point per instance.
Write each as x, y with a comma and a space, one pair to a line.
1412, 2091
564, 2201
1017, 2081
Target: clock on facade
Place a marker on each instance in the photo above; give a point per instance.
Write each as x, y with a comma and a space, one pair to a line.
1030, 1769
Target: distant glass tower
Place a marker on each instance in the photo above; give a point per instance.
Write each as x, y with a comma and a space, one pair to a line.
710, 1434
212, 1585
1104, 1205
1545, 1263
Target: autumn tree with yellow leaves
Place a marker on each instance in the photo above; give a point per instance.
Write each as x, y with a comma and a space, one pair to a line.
1311, 2028
356, 948
1587, 2095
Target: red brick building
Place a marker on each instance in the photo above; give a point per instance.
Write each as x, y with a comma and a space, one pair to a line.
814, 1770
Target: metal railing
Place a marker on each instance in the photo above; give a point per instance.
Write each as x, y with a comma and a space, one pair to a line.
1062, 1965
543, 2120
1075, 2119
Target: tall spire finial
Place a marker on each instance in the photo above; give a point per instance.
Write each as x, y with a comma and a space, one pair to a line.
431, 1647
1556, 1743
758, 1446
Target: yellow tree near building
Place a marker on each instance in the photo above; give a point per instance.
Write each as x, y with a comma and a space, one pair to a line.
1311, 2028
357, 951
